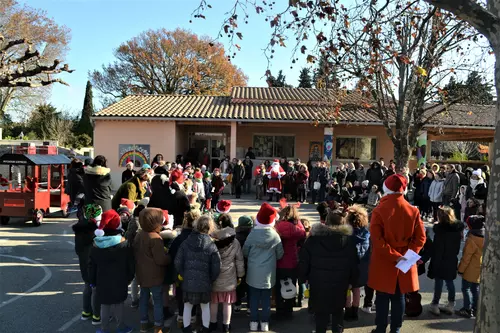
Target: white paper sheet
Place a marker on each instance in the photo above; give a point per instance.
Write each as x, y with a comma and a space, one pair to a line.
411, 259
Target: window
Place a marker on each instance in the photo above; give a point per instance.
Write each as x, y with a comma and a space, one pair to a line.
349, 148
274, 146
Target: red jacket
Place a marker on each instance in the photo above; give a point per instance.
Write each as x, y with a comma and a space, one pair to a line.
291, 234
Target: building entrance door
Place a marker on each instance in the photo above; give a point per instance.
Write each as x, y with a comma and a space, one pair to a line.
215, 144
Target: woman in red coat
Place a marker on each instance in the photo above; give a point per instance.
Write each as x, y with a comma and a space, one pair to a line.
291, 232
395, 228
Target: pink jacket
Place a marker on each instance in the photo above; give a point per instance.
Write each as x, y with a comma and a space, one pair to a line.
291, 234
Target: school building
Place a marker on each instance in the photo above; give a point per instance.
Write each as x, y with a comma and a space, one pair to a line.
276, 122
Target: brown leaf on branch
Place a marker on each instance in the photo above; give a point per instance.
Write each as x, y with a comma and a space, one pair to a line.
240, 36
303, 49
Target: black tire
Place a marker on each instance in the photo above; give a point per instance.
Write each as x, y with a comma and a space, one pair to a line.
38, 218
4, 220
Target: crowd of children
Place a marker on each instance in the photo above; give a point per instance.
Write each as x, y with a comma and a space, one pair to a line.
209, 263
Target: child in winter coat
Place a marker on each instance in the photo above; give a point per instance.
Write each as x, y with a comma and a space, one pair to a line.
232, 270
198, 186
291, 232
218, 185
329, 261
171, 273
245, 225
436, 194
198, 264
130, 234
357, 218
207, 187
374, 196
84, 236
111, 269
444, 260
259, 182
470, 265
151, 261
262, 248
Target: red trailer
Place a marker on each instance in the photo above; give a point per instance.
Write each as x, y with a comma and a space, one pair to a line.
42, 186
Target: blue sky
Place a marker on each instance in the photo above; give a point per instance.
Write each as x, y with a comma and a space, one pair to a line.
99, 26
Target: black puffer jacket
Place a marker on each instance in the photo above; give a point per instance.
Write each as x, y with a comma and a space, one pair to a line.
374, 175
161, 192
111, 269
75, 183
177, 203
171, 273
84, 235
329, 261
198, 262
445, 249
97, 181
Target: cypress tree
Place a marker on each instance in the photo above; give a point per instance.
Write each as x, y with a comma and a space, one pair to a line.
305, 80
85, 123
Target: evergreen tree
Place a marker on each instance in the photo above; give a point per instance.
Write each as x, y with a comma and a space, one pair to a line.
85, 123
305, 78
471, 91
325, 75
279, 81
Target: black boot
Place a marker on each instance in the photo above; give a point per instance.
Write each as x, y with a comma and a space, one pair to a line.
348, 314
205, 330
188, 329
226, 328
354, 314
270, 197
212, 327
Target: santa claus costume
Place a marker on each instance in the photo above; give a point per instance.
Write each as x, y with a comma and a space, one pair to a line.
274, 173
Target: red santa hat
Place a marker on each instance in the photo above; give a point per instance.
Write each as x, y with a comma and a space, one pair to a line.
198, 175
267, 216
276, 161
395, 184
223, 206
127, 203
176, 176
110, 221
168, 220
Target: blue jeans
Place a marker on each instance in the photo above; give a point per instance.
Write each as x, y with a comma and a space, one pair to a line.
469, 288
158, 304
262, 297
397, 302
438, 289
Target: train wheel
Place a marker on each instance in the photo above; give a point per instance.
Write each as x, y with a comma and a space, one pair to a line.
4, 220
38, 218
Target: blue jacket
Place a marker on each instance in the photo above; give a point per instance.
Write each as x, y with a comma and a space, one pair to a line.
362, 240
262, 248
207, 185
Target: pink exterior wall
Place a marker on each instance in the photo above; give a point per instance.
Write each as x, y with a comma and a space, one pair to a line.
108, 135
305, 133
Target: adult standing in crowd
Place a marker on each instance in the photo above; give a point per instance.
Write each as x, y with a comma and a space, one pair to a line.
178, 203
129, 172
250, 154
395, 228
464, 181
451, 184
374, 175
97, 181
238, 177
323, 178
248, 173
314, 177
160, 188
133, 190
204, 157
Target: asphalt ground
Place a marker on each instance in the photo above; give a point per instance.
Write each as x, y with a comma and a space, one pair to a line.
41, 287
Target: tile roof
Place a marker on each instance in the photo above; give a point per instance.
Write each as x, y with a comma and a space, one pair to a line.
275, 104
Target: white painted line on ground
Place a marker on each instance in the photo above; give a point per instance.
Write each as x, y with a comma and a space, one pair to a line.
48, 275
70, 242
69, 323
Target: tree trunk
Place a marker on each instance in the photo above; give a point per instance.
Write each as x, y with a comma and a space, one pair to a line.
489, 303
402, 153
